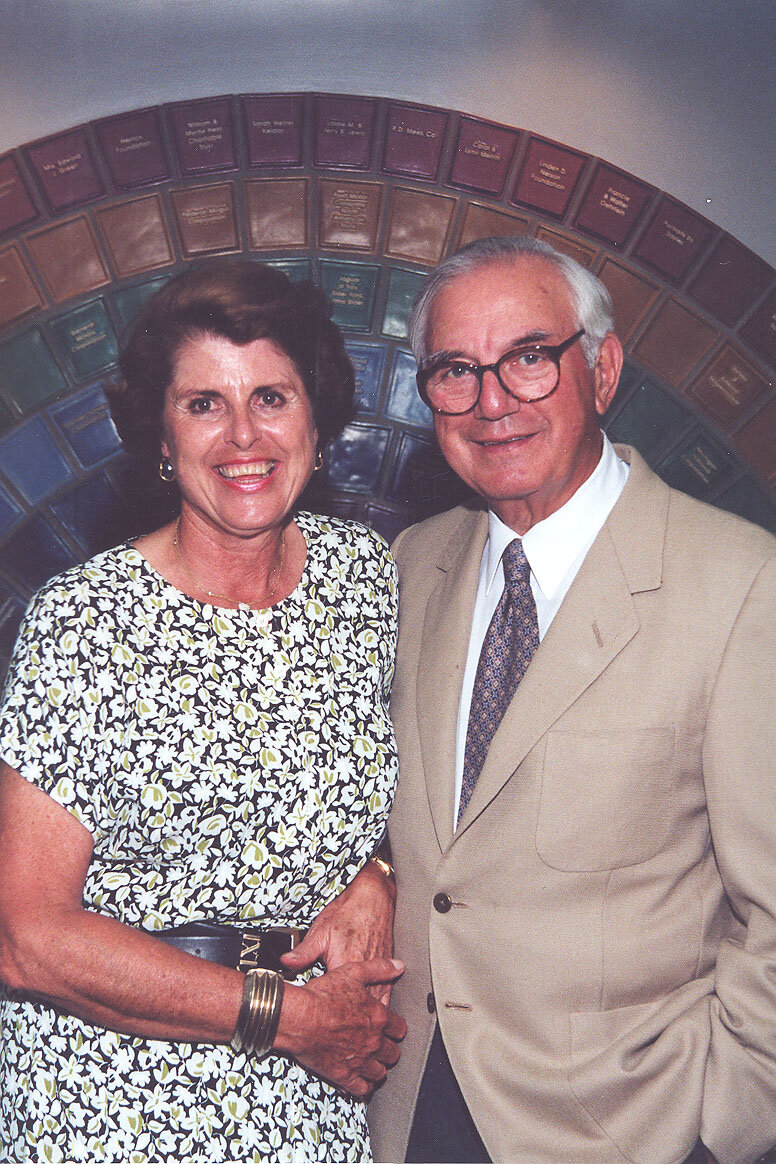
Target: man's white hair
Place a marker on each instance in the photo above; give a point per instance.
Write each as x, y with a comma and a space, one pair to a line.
592, 302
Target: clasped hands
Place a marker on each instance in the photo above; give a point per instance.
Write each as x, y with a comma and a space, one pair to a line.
340, 1025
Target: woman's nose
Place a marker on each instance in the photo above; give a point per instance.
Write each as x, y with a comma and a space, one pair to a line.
244, 427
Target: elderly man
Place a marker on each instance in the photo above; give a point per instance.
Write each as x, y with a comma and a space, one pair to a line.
585, 830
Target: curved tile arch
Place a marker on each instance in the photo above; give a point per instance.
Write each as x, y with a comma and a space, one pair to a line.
364, 195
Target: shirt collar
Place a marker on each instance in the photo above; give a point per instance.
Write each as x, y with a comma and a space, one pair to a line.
553, 545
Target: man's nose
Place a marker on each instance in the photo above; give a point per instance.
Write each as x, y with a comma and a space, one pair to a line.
494, 401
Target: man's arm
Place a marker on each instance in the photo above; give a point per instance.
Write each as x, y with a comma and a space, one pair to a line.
739, 1108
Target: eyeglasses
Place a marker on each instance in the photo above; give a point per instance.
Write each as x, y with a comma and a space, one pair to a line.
529, 373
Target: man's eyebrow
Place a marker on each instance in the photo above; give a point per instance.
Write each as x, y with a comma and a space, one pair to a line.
538, 336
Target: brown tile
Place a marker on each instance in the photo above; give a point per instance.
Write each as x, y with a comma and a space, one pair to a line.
548, 177
760, 331
419, 226
349, 214
567, 245
633, 296
68, 258
674, 239
483, 222
136, 235
206, 219
18, 293
277, 212
674, 342
613, 205
757, 440
728, 386
482, 156
731, 281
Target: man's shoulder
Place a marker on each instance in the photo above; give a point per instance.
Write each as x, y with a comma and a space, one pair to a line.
433, 537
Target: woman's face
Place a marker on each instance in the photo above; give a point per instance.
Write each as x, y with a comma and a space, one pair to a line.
238, 427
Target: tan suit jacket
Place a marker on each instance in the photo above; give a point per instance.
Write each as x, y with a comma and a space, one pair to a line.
605, 978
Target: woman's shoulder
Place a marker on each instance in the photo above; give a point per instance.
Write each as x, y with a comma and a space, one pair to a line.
98, 575
342, 537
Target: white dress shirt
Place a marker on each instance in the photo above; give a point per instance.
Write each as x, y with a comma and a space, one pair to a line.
555, 549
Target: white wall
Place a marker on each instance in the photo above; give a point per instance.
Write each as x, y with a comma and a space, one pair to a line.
679, 92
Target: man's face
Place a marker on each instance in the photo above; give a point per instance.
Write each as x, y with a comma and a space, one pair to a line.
526, 460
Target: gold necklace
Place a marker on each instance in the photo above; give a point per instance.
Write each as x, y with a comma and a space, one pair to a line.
263, 613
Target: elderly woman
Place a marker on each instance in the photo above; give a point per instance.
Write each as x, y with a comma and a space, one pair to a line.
196, 748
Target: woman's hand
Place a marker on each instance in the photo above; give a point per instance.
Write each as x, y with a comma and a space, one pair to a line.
335, 1027
356, 927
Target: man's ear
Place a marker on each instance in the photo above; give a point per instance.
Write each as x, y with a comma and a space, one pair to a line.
606, 372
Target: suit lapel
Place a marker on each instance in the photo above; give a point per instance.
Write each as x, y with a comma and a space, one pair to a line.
442, 661
595, 622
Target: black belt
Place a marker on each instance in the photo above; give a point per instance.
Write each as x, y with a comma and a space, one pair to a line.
256, 948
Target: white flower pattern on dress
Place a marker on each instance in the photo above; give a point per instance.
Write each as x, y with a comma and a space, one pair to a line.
225, 771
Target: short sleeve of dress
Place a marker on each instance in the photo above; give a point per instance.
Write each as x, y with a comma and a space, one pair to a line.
48, 708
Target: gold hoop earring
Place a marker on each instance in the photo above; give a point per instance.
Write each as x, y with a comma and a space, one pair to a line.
166, 471
318, 461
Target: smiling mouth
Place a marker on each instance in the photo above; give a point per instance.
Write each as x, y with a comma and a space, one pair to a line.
251, 469
518, 438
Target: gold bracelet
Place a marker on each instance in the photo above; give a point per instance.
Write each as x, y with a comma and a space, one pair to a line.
385, 867
257, 1022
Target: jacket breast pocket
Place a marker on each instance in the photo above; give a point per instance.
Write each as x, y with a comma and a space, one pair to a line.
606, 798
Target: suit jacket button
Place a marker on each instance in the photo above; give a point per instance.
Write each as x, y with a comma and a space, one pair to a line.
442, 902
430, 1004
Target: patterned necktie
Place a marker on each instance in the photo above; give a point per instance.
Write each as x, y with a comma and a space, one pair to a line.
510, 641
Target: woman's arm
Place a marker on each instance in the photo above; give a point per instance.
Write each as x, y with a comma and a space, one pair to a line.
114, 976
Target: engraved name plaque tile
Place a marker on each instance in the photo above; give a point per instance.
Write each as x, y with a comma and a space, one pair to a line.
351, 287
483, 155
760, 331
273, 129
204, 135
674, 342
86, 339
344, 129
16, 205
29, 373
277, 212
419, 226
548, 177
613, 205
483, 222
127, 301
18, 293
568, 245
136, 235
674, 239
95, 515
730, 281
65, 169
355, 459
633, 296
68, 258
698, 466
349, 214
413, 141
85, 423
757, 440
368, 362
133, 148
728, 386
206, 219
404, 402
35, 554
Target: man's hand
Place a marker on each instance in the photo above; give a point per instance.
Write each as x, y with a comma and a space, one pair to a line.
335, 1027
356, 927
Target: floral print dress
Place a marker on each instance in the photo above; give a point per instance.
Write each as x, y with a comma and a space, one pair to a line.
226, 771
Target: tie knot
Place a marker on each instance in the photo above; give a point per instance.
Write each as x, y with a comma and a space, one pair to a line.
517, 572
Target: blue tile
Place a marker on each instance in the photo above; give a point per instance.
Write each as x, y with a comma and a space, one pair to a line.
355, 459
95, 514
369, 362
31, 461
35, 554
128, 301
85, 423
404, 402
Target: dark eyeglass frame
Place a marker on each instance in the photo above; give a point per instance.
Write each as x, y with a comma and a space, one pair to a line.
553, 351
